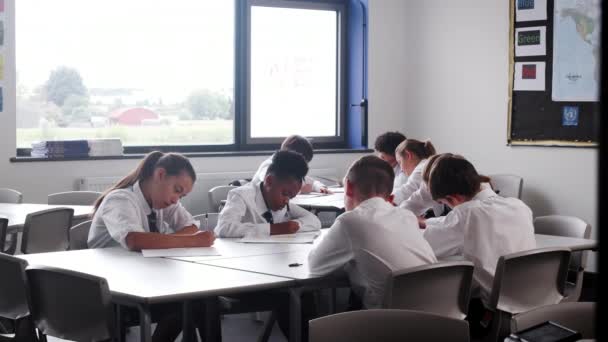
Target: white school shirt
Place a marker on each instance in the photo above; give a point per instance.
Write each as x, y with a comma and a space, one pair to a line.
482, 230
260, 174
242, 214
126, 210
400, 177
390, 233
421, 200
413, 183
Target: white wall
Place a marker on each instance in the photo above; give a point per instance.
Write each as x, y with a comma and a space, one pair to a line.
456, 88
37, 179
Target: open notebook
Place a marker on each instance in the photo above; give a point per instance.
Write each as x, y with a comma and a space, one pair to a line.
304, 237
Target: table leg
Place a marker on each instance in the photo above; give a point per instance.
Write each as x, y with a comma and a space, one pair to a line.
145, 323
295, 315
187, 326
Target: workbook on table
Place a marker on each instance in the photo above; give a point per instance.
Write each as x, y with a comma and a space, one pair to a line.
304, 237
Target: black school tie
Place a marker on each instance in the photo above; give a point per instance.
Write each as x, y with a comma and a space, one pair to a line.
268, 217
152, 222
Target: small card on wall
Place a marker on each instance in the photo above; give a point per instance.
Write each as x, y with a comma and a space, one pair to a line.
1, 6
531, 41
529, 10
529, 76
570, 115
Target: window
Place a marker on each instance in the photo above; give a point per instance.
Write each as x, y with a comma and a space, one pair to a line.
188, 75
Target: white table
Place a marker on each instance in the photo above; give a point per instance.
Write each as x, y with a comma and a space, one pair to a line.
16, 213
141, 282
575, 244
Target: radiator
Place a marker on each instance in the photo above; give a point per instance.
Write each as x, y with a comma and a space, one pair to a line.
197, 201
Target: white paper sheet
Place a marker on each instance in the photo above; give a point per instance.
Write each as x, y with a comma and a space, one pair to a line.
528, 10
305, 237
533, 79
180, 252
523, 44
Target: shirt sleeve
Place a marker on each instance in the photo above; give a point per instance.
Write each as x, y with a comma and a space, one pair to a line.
419, 202
445, 234
120, 216
230, 223
333, 251
307, 220
406, 190
178, 217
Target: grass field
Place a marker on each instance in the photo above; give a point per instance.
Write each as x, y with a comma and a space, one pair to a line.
199, 132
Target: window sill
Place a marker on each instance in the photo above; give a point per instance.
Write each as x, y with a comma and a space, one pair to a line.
189, 155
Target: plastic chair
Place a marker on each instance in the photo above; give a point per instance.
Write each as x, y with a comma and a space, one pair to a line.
507, 185
10, 196
79, 235
14, 305
74, 198
524, 281
217, 194
387, 325
447, 283
3, 229
70, 305
578, 316
569, 226
212, 220
47, 231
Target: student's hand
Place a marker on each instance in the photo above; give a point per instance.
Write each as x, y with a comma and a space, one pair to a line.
306, 188
203, 239
325, 190
288, 227
421, 222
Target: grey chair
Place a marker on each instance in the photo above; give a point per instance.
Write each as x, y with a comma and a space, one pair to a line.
74, 198
70, 305
447, 283
14, 306
10, 196
217, 194
569, 226
47, 231
79, 235
525, 281
3, 230
212, 220
507, 185
578, 316
387, 325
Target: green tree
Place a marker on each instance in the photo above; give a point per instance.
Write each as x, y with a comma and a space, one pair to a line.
62, 83
75, 109
205, 104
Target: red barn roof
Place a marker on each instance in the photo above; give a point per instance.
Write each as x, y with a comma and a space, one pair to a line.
132, 116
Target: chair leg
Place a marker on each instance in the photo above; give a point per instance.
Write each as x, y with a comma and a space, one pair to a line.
268, 325
501, 326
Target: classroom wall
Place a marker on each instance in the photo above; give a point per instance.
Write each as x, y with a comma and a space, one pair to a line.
37, 179
455, 90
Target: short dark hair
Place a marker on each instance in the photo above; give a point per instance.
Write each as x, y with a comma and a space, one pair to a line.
288, 164
298, 144
371, 176
388, 142
454, 175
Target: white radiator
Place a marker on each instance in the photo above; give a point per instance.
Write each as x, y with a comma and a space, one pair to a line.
197, 201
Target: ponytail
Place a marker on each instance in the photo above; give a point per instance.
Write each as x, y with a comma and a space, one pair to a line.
422, 150
173, 163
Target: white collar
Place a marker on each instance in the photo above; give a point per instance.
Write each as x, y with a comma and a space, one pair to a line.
140, 197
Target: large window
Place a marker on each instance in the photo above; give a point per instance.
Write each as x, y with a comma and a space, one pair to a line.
187, 75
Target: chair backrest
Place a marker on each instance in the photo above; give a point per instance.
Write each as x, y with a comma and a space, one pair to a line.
569, 226
10, 196
217, 194
530, 279
378, 272
13, 287
447, 283
387, 325
507, 185
3, 229
47, 231
79, 234
74, 198
70, 305
578, 316
212, 220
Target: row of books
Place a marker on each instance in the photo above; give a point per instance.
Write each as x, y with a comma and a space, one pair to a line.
77, 148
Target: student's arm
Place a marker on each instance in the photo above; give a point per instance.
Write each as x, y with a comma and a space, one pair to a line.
137, 241
308, 221
445, 234
229, 222
419, 202
180, 220
193, 229
333, 251
404, 192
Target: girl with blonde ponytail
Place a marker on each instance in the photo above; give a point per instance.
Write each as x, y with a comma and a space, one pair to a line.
412, 156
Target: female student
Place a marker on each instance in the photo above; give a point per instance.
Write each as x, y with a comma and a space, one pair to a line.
142, 211
482, 226
384, 147
412, 156
421, 201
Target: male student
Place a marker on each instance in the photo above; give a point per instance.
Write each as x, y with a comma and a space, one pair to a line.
372, 226
300, 144
262, 208
385, 146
